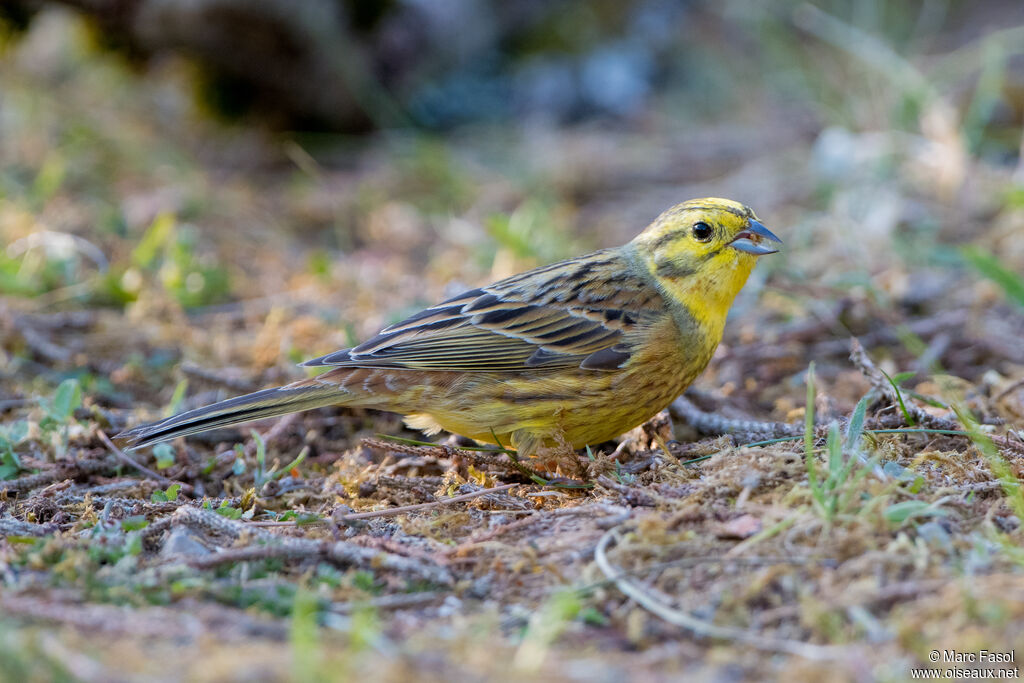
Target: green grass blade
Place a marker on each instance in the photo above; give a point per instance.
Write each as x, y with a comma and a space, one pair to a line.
989, 266
812, 472
899, 399
855, 429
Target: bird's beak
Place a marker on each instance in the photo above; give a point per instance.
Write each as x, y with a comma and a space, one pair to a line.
749, 240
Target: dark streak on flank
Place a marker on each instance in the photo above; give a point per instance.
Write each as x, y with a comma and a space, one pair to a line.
585, 268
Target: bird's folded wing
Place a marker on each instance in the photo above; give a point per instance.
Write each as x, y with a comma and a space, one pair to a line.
546, 320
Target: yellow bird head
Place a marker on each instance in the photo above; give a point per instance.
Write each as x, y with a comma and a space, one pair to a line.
702, 251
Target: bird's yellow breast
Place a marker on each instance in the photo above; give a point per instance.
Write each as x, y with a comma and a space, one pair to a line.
581, 408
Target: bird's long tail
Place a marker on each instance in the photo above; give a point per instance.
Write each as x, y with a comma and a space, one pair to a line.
267, 403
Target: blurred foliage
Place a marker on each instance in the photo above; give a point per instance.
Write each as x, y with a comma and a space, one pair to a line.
988, 265
440, 65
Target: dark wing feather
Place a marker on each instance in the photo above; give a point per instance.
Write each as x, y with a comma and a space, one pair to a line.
569, 314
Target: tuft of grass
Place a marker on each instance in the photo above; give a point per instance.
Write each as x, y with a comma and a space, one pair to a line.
262, 475
834, 489
894, 383
1009, 482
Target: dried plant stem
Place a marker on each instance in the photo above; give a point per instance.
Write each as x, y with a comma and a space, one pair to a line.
64, 470
342, 553
699, 626
123, 457
504, 458
1008, 390
882, 384
389, 512
711, 423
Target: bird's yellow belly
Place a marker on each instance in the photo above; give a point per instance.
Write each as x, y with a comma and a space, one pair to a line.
582, 408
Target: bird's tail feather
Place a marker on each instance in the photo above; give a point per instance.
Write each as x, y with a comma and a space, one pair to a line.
255, 406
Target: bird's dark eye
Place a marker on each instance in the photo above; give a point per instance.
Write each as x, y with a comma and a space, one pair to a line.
702, 232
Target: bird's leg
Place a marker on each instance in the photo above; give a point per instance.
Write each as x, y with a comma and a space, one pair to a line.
651, 434
658, 430
456, 442
556, 454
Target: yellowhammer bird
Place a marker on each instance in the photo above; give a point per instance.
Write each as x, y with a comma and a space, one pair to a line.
573, 353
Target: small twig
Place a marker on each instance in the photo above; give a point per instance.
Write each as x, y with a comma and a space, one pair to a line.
504, 458
699, 626
64, 470
881, 384
342, 553
1008, 390
389, 602
45, 348
970, 487
486, 535
276, 431
11, 403
904, 590
434, 452
144, 505
711, 423
633, 495
62, 321
727, 558
16, 527
123, 457
388, 512
1015, 448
